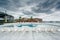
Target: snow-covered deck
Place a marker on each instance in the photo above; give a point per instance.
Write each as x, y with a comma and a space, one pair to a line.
43, 31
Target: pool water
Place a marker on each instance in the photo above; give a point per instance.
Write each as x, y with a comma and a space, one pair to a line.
29, 25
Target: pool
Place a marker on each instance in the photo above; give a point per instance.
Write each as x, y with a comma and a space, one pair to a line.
29, 25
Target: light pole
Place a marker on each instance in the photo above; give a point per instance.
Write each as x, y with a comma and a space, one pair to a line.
5, 17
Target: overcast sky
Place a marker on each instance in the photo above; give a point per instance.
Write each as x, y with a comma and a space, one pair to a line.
48, 10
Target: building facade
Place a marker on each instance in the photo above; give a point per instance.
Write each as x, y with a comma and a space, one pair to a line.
5, 18
29, 20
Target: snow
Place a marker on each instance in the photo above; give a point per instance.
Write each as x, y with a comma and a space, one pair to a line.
29, 36
41, 32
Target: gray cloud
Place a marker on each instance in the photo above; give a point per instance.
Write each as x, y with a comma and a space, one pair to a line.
42, 6
45, 7
28, 13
